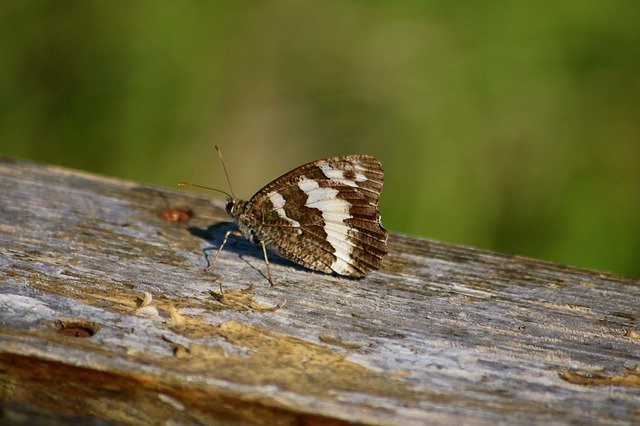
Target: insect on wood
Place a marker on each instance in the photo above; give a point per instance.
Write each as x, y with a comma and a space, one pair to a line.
322, 215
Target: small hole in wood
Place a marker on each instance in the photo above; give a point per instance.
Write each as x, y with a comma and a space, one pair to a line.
81, 329
174, 214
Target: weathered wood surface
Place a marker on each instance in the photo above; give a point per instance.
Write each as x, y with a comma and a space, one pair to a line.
442, 334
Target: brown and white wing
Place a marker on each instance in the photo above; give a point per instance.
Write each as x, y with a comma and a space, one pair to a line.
324, 215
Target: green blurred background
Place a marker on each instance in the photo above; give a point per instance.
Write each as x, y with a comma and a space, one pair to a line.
506, 125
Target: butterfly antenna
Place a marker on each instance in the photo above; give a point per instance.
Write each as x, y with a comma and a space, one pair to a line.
225, 171
205, 187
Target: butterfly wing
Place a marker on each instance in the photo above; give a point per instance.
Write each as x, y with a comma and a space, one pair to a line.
324, 215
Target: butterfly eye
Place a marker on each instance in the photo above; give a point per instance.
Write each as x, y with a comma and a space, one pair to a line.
231, 204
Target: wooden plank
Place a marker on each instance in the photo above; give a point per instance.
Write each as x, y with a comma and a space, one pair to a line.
441, 334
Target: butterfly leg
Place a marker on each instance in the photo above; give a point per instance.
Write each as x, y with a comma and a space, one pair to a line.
266, 260
235, 232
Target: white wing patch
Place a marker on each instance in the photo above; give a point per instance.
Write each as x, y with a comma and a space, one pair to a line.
337, 175
278, 204
334, 212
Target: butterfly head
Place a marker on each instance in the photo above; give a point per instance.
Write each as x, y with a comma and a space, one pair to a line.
235, 207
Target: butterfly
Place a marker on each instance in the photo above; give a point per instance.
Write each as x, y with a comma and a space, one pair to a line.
322, 215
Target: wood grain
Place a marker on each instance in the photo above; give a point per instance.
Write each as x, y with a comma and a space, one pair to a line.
441, 334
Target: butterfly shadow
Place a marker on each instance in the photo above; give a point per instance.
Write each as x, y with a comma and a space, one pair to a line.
214, 235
